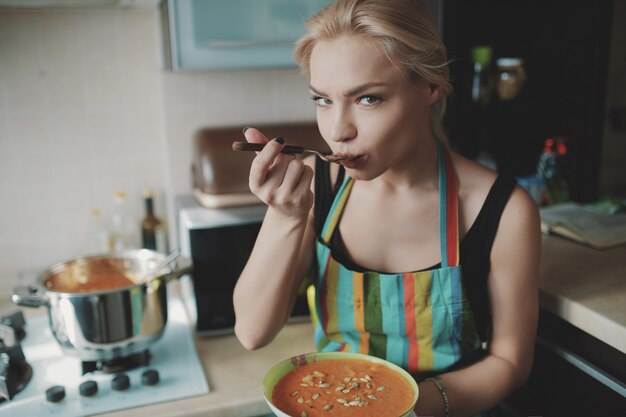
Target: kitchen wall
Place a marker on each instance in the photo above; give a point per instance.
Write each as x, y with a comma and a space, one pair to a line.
235, 98
86, 110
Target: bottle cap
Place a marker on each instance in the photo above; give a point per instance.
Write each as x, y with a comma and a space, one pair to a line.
95, 213
509, 62
120, 195
547, 146
482, 54
147, 193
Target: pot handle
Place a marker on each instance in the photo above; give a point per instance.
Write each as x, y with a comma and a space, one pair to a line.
29, 296
183, 267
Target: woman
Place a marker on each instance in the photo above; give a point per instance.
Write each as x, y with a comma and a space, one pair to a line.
381, 232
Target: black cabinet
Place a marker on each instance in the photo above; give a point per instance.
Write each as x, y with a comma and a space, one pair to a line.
565, 47
574, 375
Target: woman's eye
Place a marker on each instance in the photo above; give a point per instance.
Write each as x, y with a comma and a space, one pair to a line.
321, 101
369, 100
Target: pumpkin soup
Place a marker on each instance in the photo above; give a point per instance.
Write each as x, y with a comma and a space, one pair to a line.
345, 388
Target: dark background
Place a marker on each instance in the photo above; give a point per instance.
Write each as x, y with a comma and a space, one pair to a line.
565, 48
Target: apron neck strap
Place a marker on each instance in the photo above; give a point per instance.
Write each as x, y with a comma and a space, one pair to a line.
336, 210
448, 208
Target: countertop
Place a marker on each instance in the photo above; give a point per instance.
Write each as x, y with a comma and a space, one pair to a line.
584, 286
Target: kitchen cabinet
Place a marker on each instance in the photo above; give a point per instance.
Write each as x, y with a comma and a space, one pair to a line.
565, 45
220, 35
574, 374
580, 354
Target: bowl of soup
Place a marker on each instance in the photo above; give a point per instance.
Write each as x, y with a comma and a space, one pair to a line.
339, 384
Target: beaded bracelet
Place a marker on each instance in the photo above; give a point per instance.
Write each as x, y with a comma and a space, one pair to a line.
444, 393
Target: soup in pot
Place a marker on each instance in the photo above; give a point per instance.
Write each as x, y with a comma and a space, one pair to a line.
89, 276
343, 387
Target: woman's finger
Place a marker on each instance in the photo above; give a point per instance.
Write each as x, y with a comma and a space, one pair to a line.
264, 162
292, 176
253, 135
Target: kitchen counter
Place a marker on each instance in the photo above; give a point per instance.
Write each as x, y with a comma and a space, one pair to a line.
234, 376
586, 287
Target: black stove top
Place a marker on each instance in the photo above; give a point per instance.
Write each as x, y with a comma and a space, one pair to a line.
15, 372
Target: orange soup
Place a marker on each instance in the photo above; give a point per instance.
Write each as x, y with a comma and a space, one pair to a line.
343, 387
89, 276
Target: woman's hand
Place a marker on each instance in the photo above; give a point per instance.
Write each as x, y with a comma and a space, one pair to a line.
280, 181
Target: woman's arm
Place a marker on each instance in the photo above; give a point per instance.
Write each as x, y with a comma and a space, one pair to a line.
268, 285
513, 287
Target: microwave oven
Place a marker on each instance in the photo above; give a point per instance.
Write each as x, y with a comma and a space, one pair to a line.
219, 242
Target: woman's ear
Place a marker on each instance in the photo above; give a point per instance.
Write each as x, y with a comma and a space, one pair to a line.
434, 93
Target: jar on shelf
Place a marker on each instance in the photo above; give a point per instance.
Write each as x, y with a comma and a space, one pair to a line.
511, 77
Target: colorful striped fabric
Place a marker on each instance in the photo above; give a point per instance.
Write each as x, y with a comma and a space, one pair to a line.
418, 320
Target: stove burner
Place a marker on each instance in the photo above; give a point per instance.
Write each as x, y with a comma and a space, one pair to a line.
117, 365
13, 378
15, 372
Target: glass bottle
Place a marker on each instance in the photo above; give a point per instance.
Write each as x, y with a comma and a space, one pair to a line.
122, 225
511, 77
555, 186
153, 234
482, 79
97, 233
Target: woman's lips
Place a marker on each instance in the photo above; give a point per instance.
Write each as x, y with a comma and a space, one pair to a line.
354, 161
347, 156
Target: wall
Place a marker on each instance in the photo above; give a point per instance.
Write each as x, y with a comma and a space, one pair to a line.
217, 99
86, 110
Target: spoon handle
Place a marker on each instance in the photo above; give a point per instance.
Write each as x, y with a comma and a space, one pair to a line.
245, 146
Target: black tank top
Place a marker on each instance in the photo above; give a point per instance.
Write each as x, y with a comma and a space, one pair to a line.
475, 246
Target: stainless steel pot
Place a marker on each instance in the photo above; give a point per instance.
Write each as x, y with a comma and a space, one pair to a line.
104, 324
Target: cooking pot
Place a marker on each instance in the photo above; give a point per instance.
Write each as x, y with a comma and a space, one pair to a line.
101, 307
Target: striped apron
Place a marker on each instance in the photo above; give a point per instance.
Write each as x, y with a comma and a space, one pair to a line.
420, 321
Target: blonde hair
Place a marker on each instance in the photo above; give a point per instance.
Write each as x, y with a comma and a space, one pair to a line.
402, 29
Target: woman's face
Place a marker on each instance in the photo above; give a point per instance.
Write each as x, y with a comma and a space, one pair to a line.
367, 107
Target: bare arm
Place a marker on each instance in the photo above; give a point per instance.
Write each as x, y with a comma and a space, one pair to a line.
513, 286
267, 288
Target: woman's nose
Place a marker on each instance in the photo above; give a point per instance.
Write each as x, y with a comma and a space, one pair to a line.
343, 127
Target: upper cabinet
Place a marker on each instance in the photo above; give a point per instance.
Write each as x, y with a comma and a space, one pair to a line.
218, 34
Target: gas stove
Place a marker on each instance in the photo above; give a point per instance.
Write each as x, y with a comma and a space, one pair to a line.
38, 379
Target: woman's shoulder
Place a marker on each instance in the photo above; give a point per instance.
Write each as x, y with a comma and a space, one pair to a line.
475, 183
472, 176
